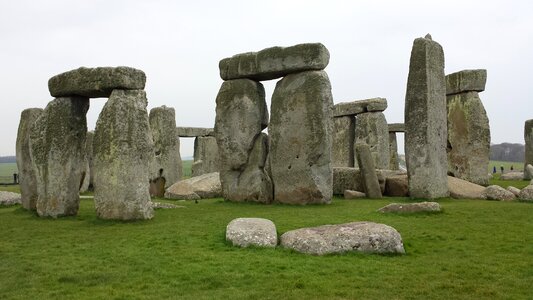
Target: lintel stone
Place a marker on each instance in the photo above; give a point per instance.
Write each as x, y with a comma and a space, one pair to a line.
466, 81
359, 106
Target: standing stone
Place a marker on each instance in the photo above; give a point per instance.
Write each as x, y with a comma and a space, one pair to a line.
27, 180
528, 137
123, 155
205, 156
372, 130
342, 154
167, 168
85, 176
300, 129
241, 115
394, 162
90, 157
468, 138
368, 170
57, 143
425, 121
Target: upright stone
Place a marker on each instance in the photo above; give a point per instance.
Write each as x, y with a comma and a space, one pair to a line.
425, 121
27, 179
167, 166
368, 170
372, 130
241, 115
394, 162
57, 143
300, 129
90, 157
206, 157
342, 154
528, 137
123, 155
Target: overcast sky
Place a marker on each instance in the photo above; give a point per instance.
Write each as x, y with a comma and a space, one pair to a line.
178, 44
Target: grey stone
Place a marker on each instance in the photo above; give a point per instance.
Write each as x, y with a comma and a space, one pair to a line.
528, 138
123, 151
496, 192
275, 62
194, 131
351, 179
462, 189
9, 198
368, 171
96, 82
397, 186
528, 172
396, 127
85, 176
57, 143
359, 106
366, 237
468, 138
27, 179
515, 175
160, 205
372, 130
342, 154
526, 194
411, 207
394, 162
301, 129
466, 81
514, 190
206, 158
199, 187
425, 121
89, 156
167, 165
349, 194
241, 115
244, 232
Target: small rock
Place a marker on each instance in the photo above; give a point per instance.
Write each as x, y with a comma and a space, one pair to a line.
515, 191
9, 198
496, 192
349, 194
526, 194
411, 207
160, 205
244, 232
512, 176
528, 172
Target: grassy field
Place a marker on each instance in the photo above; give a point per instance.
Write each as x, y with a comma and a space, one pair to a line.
473, 250
517, 166
6, 172
186, 167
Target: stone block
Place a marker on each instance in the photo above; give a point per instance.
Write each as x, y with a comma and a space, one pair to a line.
466, 81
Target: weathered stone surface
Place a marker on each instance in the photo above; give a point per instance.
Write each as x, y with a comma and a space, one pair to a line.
160, 205
90, 158
528, 172
244, 232
96, 82
368, 171
366, 237
27, 180
526, 194
194, 131
359, 106
411, 207
301, 129
468, 138
351, 179
57, 143
425, 121
9, 198
496, 192
396, 127
241, 115
199, 187
342, 154
349, 194
372, 130
206, 158
397, 186
275, 62
528, 138
123, 150
167, 165
462, 189
466, 81
512, 176
394, 162
85, 176
515, 191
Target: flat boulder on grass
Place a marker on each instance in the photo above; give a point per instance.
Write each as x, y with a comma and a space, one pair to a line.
411, 207
9, 198
96, 82
199, 187
462, 189
349, 194
496, 192
244, 232
512, 176
366, 237
161, 205
526, 194
514, 190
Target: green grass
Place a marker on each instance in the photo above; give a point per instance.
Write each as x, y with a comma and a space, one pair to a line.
517, 166
186, 167
6, 172
473, 250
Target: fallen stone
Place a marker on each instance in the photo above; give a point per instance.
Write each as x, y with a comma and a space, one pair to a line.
206, 158
411, 207
372, 130
194, 131
199, 187
528, 172
397, 186
368, 171
515, 191
359, 106
349, 194
528, 138
526, 194
9, 198
515, 175
161, 205
366, 237
462, 189
396, 127
275, 62
351, 179
496, 192
244, 232
96, 82
466, 81
342, 154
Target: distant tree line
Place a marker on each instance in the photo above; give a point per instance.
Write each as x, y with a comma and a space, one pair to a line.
507, 152
8, 159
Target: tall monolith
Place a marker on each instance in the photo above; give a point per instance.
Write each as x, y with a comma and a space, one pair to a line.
528, 137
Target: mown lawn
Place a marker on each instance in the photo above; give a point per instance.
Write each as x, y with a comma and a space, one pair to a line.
473, 250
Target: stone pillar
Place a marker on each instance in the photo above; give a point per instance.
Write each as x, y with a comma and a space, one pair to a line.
90, 160
425, 121
368, 170
372, 130
206, 157
241, 115
342, 149
57, 143
123, 155
528, 137
300, 130
394, 163
27, 179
